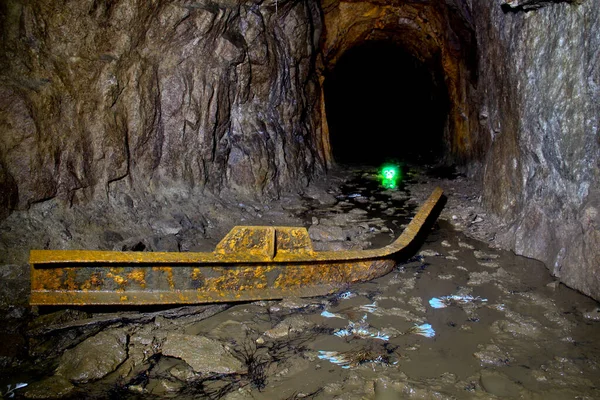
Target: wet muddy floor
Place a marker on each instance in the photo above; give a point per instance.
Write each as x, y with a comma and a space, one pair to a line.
457, 320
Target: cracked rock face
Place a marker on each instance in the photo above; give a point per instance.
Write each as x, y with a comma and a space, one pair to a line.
94, 358
99, 97
528, 5
202, 354
542, 170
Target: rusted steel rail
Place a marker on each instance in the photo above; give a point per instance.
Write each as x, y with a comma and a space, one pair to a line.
250, 263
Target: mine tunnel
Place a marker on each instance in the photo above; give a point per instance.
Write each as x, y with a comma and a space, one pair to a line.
383, 104
192, 204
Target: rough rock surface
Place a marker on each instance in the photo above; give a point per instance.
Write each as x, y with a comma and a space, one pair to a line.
53, 387
102, 97
294, 324
326, 233
542, 171
95, 358
125, 107
202, 354
529, 126
527, 5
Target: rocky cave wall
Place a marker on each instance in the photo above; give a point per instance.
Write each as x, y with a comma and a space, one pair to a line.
101, 96
524, 110
539, 88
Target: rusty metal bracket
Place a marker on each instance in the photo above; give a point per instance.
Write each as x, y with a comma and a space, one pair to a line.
250, 263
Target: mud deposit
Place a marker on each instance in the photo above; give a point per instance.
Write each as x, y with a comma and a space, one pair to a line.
458, 320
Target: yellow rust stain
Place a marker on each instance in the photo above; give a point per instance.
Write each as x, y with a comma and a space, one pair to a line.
169, 272
71, 282
114, 274
138, 275
50, 279
295, 276
328, 273
94, 282
197, 274
243, 242
238, 279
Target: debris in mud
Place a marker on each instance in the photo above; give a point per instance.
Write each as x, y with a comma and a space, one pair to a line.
359, 356
594, 315
361, 329
10, 390
327, 314
429, 253
334, 357
49, 388
423, 330
491, 354
489, 264
454, 299
346, 295
370, 308
417, 303
480, 255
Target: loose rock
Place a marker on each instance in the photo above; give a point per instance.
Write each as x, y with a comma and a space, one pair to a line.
94, 358
49, 388
202, 354
499, 384
297, 323
326, 233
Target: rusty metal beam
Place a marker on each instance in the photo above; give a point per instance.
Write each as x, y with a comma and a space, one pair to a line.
250, 263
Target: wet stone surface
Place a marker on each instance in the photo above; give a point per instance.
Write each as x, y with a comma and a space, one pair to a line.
457, 320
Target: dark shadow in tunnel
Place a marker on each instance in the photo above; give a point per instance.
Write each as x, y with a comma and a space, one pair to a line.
383, 104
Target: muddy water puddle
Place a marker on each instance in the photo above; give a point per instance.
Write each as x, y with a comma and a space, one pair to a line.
365, 214
457, 320
433, 328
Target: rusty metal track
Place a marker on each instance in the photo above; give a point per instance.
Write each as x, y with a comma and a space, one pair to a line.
250, 263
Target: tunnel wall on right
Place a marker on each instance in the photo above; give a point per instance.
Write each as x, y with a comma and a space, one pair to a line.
538, 96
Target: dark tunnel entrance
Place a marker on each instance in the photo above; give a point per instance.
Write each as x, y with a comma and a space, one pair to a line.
383, 104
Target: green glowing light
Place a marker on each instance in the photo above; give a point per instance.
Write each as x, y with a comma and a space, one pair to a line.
389, 172
390, 176
389, 183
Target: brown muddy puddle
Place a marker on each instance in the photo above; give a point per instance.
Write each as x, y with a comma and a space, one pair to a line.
457, 320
